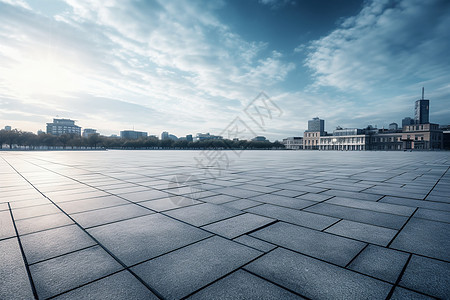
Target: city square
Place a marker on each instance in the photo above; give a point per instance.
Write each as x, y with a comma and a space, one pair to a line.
224, 224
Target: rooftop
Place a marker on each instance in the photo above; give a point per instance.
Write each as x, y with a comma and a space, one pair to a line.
153, 224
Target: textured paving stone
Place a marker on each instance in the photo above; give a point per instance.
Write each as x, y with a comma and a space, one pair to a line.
283, 201
142, 238
63, 273
219, 199
73, 207
375, 206
54, 242
434, 215
121, 285
318, 244
109, 215
203, 214
353, 195
379, 262
35, 211
242, 204
143, 195
363, 232
428, 276
243, 285
413, 203
6, 225
425, 237
169, 203
255, 243
359, 215
294, 216
239, 225
14, 283
182, 272
316, 279
401, 293
42, 223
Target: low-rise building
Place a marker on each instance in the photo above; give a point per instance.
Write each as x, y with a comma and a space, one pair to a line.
88, 132
207, 136
132, 135
293, 143
63, 126
422, 137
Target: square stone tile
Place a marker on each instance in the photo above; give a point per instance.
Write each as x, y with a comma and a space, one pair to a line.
433, 215
111, 214
424, 237
318, 244
219, 199
77, 206
63, 273
142, 238
243, 285
143, 195
382, 263
255, 243
121, 285
239, 225
54, 242
202, 214
283, 201
428, 276
242, 204
42, 223
375, 206
359, 215
14, 278
316, 279
182, 272
363, 232
6, 225
294, 216
35, 211
314, 197
401, 294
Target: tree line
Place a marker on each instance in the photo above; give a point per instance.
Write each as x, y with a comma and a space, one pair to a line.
28, 140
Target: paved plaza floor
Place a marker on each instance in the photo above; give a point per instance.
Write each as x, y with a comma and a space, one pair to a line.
224, 225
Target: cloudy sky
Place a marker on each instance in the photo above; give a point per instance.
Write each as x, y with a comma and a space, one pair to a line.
193, 66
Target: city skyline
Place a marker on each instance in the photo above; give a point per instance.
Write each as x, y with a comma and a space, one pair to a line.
188, 67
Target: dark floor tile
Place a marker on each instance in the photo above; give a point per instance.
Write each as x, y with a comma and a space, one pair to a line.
382, 263
243, 285
169, 203
316, 279
401, 294
63, 273
434, 215
294, 216
143, 238
219, 199
202, 214
242, 204
121, 285
255, 243
424, 237
283, 201
42, 223
428, 276
77, 206
375, 206
239, 225
182, 272
318, 244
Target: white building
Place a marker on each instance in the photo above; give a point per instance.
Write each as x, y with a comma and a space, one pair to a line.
293, 143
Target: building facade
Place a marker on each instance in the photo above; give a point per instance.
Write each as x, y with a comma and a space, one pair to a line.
63, 126
422, 137
422, 111
132, 135
293, 143
87, 132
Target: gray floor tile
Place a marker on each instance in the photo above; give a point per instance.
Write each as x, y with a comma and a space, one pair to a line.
283, 201
42, 223
182, 272
401, 294
294, 216
6, 225
168, 203
239, 225
50, 243
121, 285
255, 243
219, 199
143, 238
242, 204
14, 278
77, 206
379, 262
35, 211
375, 206
424, 237
243, 285
363, 232
63, 273
316, 279
202, 214
434, 215
109, 215
318, 244
428, 276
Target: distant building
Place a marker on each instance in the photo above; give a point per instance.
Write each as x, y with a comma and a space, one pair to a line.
422, 137
63, 126
164, 135
132, 135
293, 143
316, 124
446, 136
88, 132
39, 132
259, 139
8, 128
407, 121
393, 126
422, 110
189, 138
207, 136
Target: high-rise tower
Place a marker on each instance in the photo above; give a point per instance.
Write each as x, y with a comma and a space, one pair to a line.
422, 110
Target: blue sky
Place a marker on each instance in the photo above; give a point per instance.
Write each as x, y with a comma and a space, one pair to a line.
193, 66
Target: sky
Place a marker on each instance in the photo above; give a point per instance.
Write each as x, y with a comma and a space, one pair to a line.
195, 66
